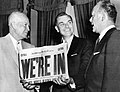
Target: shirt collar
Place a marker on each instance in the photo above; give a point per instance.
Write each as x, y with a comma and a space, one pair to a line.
68, 41
104, 31
14, 41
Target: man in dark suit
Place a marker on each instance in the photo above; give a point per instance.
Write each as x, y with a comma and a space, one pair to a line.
79, 51
9, 68
103, 71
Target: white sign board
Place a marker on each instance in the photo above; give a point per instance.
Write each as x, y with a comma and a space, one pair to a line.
42, 64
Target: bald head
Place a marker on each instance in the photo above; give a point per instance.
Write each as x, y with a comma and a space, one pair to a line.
16, 17
18, 25
109, 8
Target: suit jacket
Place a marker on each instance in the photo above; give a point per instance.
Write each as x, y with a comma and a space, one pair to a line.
78, 57
103, 72
9, 69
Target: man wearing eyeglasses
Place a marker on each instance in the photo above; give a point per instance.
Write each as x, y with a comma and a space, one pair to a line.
79, 51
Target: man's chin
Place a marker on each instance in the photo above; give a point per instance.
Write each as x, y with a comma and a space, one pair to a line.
94, 30
25, 37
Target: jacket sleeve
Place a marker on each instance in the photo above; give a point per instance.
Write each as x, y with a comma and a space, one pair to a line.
111, 73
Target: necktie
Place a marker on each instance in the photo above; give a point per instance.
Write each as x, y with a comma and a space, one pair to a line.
19, 47
66, 46
97, 42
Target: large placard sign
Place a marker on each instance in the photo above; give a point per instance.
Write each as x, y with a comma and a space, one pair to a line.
42, 64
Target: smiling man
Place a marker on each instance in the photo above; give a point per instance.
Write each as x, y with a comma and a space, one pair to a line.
9, 66
103, 71
79, 51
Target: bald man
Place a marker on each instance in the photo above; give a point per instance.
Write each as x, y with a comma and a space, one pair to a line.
9, 69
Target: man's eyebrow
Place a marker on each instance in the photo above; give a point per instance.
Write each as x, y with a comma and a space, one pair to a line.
60, 22
69, 20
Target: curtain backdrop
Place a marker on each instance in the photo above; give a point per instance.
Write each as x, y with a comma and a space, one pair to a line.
3, 25
74, 2
82, 15
6, 7
45, 28
46, 12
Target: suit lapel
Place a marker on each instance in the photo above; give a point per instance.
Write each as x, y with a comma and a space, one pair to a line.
99, 47
104, 39
11, 50
73, 46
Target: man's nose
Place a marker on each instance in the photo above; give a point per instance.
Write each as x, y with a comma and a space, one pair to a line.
28, 28
90, 19
66, 25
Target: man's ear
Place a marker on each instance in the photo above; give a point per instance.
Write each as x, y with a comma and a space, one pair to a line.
57, 28
100, 16
13, 25
103, 16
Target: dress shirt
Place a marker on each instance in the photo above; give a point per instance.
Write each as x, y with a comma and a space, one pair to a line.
19, 46
104, 31
68, 42
15, 43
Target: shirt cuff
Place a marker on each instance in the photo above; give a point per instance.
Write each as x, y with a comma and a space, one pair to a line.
72, 83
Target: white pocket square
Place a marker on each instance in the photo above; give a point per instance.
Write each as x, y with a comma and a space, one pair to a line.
74, 54
96, 53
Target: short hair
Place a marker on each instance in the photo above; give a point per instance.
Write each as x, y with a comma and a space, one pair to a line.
14, 16
62, 14
109, 8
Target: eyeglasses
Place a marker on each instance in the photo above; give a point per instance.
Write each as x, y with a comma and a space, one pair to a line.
61, 24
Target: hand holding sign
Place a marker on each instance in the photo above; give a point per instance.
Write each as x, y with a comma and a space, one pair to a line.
43, 64
61, 80
27, 85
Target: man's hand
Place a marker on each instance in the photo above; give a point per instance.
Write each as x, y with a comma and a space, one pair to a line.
27, 85
61, 80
